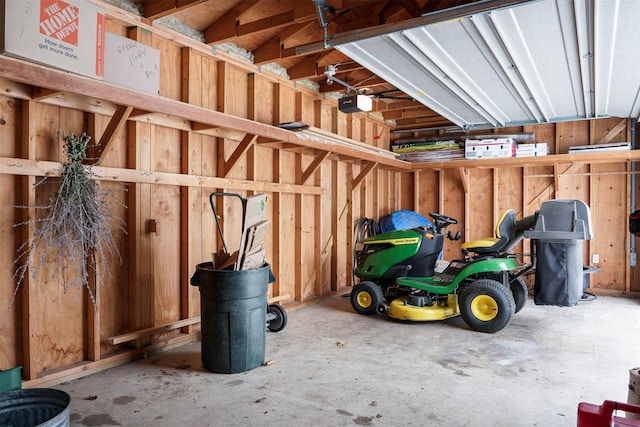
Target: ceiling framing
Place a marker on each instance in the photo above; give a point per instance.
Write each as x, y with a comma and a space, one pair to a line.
442, 63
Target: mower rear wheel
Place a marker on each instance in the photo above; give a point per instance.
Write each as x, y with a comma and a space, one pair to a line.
365, 297
520, 292
486, 305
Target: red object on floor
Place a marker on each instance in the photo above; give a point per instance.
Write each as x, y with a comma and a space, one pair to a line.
590, 415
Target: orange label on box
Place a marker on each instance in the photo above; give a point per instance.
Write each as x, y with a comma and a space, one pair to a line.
100, 29
59, 20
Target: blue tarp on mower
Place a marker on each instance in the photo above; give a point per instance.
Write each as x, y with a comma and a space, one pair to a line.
403, 220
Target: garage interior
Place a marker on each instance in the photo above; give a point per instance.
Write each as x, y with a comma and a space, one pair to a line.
561, 73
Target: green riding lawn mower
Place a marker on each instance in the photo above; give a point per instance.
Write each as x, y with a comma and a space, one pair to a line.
397, 272
398, 276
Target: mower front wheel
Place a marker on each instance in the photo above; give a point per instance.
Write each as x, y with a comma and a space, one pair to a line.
486, 305
365, 297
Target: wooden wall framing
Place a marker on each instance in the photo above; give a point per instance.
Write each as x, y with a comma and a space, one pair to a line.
170, 165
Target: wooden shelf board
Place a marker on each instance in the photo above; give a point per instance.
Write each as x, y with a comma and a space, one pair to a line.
510, 162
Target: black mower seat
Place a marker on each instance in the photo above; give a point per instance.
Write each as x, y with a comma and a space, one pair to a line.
506, 237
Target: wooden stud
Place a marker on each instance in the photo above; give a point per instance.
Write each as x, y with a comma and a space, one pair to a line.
28, 198
464, 177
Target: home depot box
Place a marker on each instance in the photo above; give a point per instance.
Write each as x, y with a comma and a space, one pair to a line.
66, 34
131, 64
489, 148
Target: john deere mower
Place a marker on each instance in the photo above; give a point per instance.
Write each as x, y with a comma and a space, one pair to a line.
398, 278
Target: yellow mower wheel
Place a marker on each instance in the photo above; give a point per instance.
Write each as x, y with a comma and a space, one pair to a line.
486, 305
365, 297
484, 308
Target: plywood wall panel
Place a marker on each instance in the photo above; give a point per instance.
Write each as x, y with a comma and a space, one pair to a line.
166, 246
509, 189
48, 143
287, 235
482, 209
452, 203
608, 211
262, 99
570, 134
170, 67
426, 190
545, 133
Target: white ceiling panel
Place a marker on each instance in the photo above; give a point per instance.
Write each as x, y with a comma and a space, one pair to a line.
537, 62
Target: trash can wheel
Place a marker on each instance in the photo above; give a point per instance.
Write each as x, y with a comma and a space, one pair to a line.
276, 318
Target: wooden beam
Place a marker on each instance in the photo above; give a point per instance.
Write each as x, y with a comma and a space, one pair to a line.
26, 167
364, 171
26, 72
82, 370
40, 93
131, 336
304, 69
268, 51
115, 125
221, 30
310, 170
609, 136
227, 27
247, 142
269, 23
154, 9
413, 9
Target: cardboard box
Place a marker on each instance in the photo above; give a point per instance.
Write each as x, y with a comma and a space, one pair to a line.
532, 150
131, 64
65, 34
489, 148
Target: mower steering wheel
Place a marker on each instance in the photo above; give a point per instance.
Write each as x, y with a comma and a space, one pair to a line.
442, 221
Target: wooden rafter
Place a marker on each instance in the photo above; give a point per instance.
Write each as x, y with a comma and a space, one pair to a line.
154, 9
304, 69
229, 26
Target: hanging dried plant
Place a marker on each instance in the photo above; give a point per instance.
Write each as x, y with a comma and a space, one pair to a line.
75, 227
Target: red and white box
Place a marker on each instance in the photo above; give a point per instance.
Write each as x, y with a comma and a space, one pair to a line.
65, 34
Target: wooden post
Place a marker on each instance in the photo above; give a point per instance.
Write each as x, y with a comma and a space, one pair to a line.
27, 198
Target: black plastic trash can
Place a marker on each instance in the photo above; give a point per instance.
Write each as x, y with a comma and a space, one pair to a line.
233, 309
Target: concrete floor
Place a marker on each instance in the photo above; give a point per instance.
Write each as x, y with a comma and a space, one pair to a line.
333, 367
